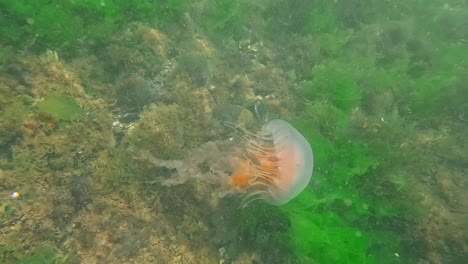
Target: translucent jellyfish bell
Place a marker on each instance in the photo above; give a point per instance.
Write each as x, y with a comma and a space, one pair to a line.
276, 165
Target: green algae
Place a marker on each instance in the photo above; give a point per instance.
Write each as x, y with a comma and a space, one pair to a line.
12, 115
61, 107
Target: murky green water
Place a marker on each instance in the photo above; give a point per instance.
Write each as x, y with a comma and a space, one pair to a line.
131, 131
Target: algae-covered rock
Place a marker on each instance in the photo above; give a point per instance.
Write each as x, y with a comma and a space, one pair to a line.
159, 131
12, 116
196, 66
61, 107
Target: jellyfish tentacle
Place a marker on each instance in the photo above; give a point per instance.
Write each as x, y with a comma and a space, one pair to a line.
247, 133
253, 182
253, 196
258, 149
269, 177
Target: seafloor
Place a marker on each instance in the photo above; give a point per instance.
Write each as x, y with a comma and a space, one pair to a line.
76, 188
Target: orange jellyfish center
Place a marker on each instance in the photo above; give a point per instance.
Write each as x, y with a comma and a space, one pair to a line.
268, 164
254, 168
241, 176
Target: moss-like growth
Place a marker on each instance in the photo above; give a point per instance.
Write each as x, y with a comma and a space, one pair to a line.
12, 115
160, 131
60, 24
195, 66
44, 254
335, 81
328, 239
225, 17
61, 107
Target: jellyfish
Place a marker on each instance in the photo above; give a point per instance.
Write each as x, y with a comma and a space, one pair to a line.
275, 166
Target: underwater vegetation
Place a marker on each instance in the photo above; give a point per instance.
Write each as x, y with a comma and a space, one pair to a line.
13, 114
225, 17
58, 106
359, 113
59, 25
330, 220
